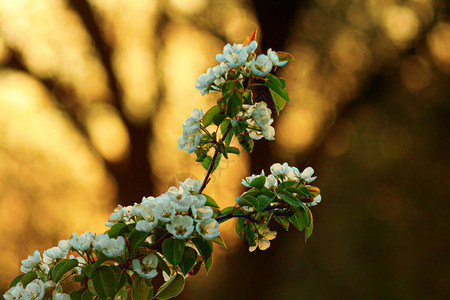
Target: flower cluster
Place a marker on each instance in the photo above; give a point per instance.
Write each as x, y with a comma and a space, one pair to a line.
190, 138
259, 120
179, 211
237, 56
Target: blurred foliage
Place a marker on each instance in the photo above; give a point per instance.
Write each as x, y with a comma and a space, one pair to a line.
93, 95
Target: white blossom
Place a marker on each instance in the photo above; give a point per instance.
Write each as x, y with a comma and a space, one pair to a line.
246, 182
192, 123
31, 262
202, 213
115, 247
189, 141
279, 170
204, 81
261, 65
116, 216
273, 56
180, 226
33, 290
65, 245
52, 254
191, 185
82, 242
294, 174
207, 228
147, 267
165, 208
100, 241
307, 175
271, 181
263, 238
14, 292
143, 225
233, 56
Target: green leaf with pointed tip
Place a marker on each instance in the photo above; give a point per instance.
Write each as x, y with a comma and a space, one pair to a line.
299, 219
173, 250
283, 221
208, 117
302, 190
239, 227
62, 268
258, 182
278, 92
210, 201
233, 150
188, 260
205, 248
309, 228
28, 277
246, 142
141, 290
226, 210
219, 240
250, 234
291, 199
121, 278
104, 282
173, 287
16, 281
263, 202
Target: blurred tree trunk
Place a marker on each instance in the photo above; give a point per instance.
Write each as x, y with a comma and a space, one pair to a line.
133, 175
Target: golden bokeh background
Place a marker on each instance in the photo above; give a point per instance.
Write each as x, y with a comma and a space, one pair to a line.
93, 94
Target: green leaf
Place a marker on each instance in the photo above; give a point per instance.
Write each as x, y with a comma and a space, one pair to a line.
137, 238
248, 95
141, 290
291, 199
283, 220
299, 219
173, 250
104, 282
28, 277
208, 117
263, 202
278, 92
258, 182
210, 201
90, 268
218, 119
226, 210
227, 88
233, 150
115, 229
62, 268
205, 248
309, 228
302, 190
219, 240
250, 234
188, 260
173, 287
234, 105
15, 281
239, 227
121, 278
224, 126
206, 162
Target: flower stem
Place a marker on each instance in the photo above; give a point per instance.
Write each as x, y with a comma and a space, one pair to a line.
213, 161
